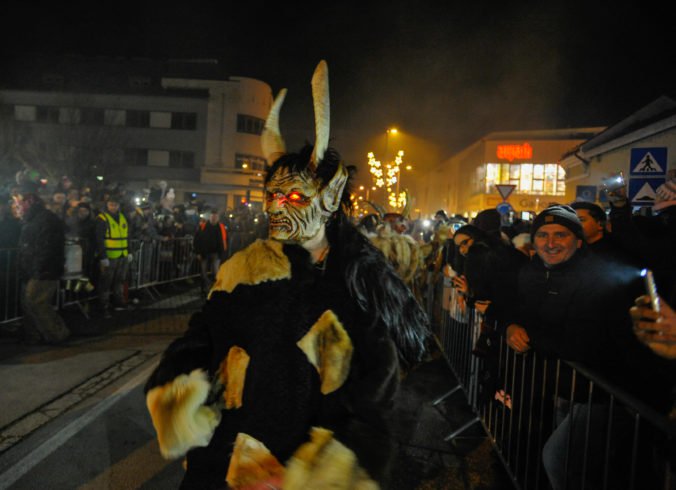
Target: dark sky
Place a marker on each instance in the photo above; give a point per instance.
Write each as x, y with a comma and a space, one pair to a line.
446, 71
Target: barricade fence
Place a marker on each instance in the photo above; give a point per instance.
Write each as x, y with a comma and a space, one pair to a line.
604, 439
153, 263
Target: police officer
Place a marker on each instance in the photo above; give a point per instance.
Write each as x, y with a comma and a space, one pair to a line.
112, 232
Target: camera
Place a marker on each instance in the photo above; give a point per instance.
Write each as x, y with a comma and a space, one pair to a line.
613, 182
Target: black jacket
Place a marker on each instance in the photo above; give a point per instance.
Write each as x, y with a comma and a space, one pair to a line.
42, 245
579, 311
492, 272
209, 240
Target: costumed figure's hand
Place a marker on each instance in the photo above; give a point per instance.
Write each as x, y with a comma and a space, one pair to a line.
179, 415
517, 338
656, 330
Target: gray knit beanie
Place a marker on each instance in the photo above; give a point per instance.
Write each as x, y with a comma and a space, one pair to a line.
560, 214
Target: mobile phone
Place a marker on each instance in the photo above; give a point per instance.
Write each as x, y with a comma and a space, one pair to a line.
651, 289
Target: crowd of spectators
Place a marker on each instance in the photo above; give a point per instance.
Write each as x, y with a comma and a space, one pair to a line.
566, 285
165, 228
568, 292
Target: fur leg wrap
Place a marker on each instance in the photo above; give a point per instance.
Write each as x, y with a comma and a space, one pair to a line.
179, 415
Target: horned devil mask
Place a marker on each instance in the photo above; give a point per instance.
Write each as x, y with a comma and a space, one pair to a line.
297, 201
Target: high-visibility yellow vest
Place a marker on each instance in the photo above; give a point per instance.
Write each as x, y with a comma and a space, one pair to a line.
116, 235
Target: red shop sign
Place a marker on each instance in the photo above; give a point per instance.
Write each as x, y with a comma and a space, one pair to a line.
511, 152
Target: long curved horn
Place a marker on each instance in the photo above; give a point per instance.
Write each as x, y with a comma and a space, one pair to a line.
407, 206
379, 209
272, 142
320, 98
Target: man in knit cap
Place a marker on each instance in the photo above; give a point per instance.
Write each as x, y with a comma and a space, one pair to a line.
573, 305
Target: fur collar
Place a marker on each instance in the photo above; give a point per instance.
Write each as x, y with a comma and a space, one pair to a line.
263, 260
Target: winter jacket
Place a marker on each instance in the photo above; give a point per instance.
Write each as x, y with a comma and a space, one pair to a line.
42, 245
210, 239
491, 272
579, 311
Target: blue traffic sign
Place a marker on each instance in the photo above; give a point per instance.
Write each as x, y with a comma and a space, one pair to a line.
585, 193
642, 190
648, 162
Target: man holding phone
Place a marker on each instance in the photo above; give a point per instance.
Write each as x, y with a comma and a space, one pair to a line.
570, 306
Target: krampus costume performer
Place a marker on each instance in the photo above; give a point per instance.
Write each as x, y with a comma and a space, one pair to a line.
283, 380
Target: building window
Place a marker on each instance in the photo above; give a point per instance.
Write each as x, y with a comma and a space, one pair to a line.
250, 162
136, 157
113, 117
69, 115
25, 113
91, 117
529, 178
249, 124
160, 120
182, 159
47, 114
158, 158
139, 82
183, 120
138, 119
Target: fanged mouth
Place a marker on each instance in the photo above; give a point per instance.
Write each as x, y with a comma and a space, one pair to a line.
281, 224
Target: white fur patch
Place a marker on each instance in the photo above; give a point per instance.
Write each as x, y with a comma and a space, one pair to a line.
325, 463
263, 260
179, 415
251, 463
328, 348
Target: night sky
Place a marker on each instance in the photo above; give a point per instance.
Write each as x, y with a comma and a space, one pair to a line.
445, 71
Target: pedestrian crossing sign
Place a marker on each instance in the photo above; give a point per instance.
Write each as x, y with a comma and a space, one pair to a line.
648, 162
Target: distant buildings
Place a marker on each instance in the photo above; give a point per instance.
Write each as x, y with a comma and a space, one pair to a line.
560, 165
140, 122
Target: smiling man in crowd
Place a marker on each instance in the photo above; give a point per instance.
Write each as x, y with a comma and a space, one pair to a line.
573, 305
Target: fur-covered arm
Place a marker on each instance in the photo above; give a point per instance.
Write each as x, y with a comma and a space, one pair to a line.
177, 391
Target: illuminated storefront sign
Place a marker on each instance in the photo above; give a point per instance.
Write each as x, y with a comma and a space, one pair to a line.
511, 152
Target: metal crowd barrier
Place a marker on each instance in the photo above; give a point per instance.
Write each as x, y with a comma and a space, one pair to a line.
605, 439
155, 262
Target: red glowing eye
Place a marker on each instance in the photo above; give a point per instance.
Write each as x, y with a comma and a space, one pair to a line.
295, 196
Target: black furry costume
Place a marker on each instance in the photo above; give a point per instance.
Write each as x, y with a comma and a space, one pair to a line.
281, 399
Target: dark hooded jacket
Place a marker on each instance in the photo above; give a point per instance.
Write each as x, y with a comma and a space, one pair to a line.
41, 245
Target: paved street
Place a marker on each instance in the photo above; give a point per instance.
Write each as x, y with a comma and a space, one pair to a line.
75, 415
